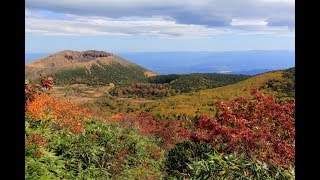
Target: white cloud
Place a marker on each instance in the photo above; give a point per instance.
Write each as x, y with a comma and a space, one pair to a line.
248, 22
213, 13
75, 25
83, 25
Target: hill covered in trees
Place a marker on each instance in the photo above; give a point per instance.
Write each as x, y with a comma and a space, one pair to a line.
100, 74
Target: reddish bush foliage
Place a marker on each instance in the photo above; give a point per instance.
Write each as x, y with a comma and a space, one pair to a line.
169, 131
259, 128
32, 89
47, 83
36, 139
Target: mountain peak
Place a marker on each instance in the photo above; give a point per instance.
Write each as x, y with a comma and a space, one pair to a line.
70, 59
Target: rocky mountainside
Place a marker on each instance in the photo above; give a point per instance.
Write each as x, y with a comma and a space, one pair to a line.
74, 59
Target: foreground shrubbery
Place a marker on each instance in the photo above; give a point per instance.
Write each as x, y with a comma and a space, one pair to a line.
200, 161
101, 151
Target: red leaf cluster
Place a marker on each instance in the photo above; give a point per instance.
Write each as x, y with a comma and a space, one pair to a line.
169, 131
259, 128
47, 82
32, 89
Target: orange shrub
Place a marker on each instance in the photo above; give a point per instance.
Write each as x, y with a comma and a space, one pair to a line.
65, 112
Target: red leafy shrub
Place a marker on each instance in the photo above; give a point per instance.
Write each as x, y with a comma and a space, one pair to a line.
169, 131
32, 89
258, 128
47, 82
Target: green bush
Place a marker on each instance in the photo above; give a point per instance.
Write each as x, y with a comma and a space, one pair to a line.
234, 166
201, 161
102, 151
182, 154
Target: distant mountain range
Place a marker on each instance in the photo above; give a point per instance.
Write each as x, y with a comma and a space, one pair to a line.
230, 62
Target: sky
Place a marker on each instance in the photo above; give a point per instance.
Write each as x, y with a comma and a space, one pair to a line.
159, 25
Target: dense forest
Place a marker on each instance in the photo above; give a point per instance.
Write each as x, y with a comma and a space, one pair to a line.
101, 74
196, 81
193, 126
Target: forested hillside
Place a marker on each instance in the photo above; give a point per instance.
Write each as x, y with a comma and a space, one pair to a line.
100, 74
196, 81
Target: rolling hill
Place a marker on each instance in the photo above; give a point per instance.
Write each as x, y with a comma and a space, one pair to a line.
89, 67
277, 83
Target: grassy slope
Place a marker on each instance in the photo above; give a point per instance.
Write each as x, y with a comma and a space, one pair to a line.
202, 101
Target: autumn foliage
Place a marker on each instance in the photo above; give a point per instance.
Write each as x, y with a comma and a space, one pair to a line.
36, 88
258, 128
43, 106
169, 131
65, 112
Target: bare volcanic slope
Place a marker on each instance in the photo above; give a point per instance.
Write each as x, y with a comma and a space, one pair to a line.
87, 67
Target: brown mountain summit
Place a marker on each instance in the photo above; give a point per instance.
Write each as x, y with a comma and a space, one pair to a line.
70, 59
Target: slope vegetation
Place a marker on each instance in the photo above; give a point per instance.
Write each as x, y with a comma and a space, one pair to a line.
202, 102
196, 81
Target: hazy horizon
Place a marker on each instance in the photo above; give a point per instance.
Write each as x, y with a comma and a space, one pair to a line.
181, 62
